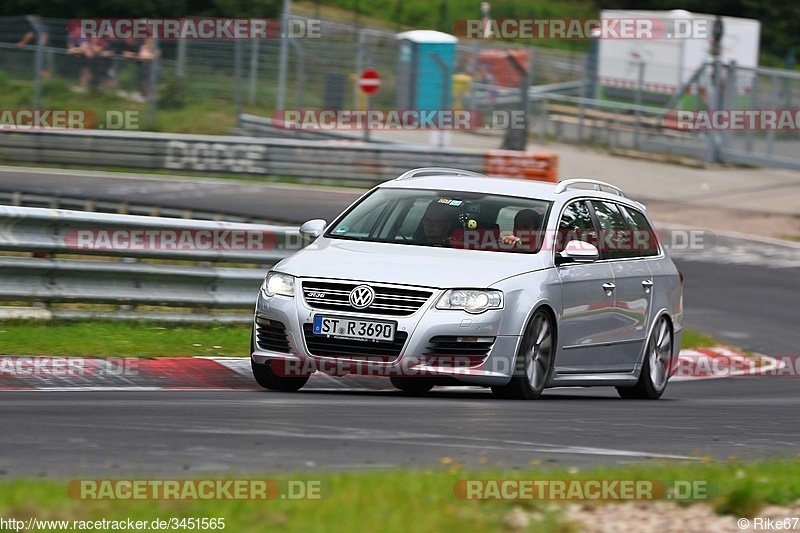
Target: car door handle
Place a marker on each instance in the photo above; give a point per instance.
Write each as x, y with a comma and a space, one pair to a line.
647, 283
608, 287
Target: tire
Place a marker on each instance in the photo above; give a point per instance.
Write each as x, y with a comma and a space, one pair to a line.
534, 362
412, 385
267, 378
655, 368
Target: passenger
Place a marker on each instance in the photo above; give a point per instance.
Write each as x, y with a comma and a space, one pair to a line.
527, 224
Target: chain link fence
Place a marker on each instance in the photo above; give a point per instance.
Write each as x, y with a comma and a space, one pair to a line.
236, 77
321, 72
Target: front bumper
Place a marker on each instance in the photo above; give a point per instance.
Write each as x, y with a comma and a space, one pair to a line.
416, 358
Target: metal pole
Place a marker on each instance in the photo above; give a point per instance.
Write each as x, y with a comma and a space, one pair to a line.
359, 63
773, 103
753, 104
152, 97
445, 90
638, 113
300, 73
518, 139
728, 101
714, 105
284, 54
582, 103
181, 66
366, 119
37, 99
237, 74
251, 97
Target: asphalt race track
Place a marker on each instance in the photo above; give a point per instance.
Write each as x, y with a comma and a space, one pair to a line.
193, 432
743, 292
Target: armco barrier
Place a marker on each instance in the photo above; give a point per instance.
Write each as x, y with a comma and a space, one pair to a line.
337, 160
46, 279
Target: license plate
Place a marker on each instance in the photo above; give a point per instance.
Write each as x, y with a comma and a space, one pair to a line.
352, 328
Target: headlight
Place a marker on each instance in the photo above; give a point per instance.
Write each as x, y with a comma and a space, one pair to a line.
278, 283
471, 301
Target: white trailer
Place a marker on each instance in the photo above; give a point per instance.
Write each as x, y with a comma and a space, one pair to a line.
670, 62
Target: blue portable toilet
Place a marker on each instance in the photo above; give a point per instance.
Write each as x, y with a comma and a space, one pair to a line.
421, 83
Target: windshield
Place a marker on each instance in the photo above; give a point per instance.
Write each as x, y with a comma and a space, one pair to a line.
452, 219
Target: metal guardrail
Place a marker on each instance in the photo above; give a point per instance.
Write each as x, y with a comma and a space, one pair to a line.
265, 127
25, 199
46, 279
342, 161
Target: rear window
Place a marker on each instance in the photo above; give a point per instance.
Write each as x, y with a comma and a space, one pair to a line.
645, 239
616, 241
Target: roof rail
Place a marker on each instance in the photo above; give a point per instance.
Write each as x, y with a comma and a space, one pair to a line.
417, 172
597, 185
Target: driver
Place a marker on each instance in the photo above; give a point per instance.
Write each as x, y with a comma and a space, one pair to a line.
437, 222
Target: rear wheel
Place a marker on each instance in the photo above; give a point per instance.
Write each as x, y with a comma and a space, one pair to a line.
655, 370
534, 363
412, 385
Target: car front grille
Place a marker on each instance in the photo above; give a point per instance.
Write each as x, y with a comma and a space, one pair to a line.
389, 301
384, 352
271, 335
454, 351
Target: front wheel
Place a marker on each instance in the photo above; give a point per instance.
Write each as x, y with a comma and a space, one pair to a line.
534, 361
267, 378
655, 370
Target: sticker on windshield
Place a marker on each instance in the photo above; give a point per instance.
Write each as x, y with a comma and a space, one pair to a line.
456, 203
444, 200
341, 229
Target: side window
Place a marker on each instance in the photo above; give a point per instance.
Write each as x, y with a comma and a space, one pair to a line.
645, 240
615, 235
575, 224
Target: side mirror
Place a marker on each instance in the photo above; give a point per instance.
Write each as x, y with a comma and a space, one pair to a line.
578, 252
312, 229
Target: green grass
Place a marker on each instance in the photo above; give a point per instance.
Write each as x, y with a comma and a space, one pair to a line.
144, 339
693, 339
390, 500
122, 339
211, 116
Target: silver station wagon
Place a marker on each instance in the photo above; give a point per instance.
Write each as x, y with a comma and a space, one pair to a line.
449, 277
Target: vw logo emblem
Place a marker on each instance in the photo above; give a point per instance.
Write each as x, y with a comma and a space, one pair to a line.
362, 296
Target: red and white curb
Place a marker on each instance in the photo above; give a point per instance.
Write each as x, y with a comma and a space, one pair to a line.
226, 373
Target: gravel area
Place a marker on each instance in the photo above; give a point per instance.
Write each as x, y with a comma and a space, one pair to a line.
656, 517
